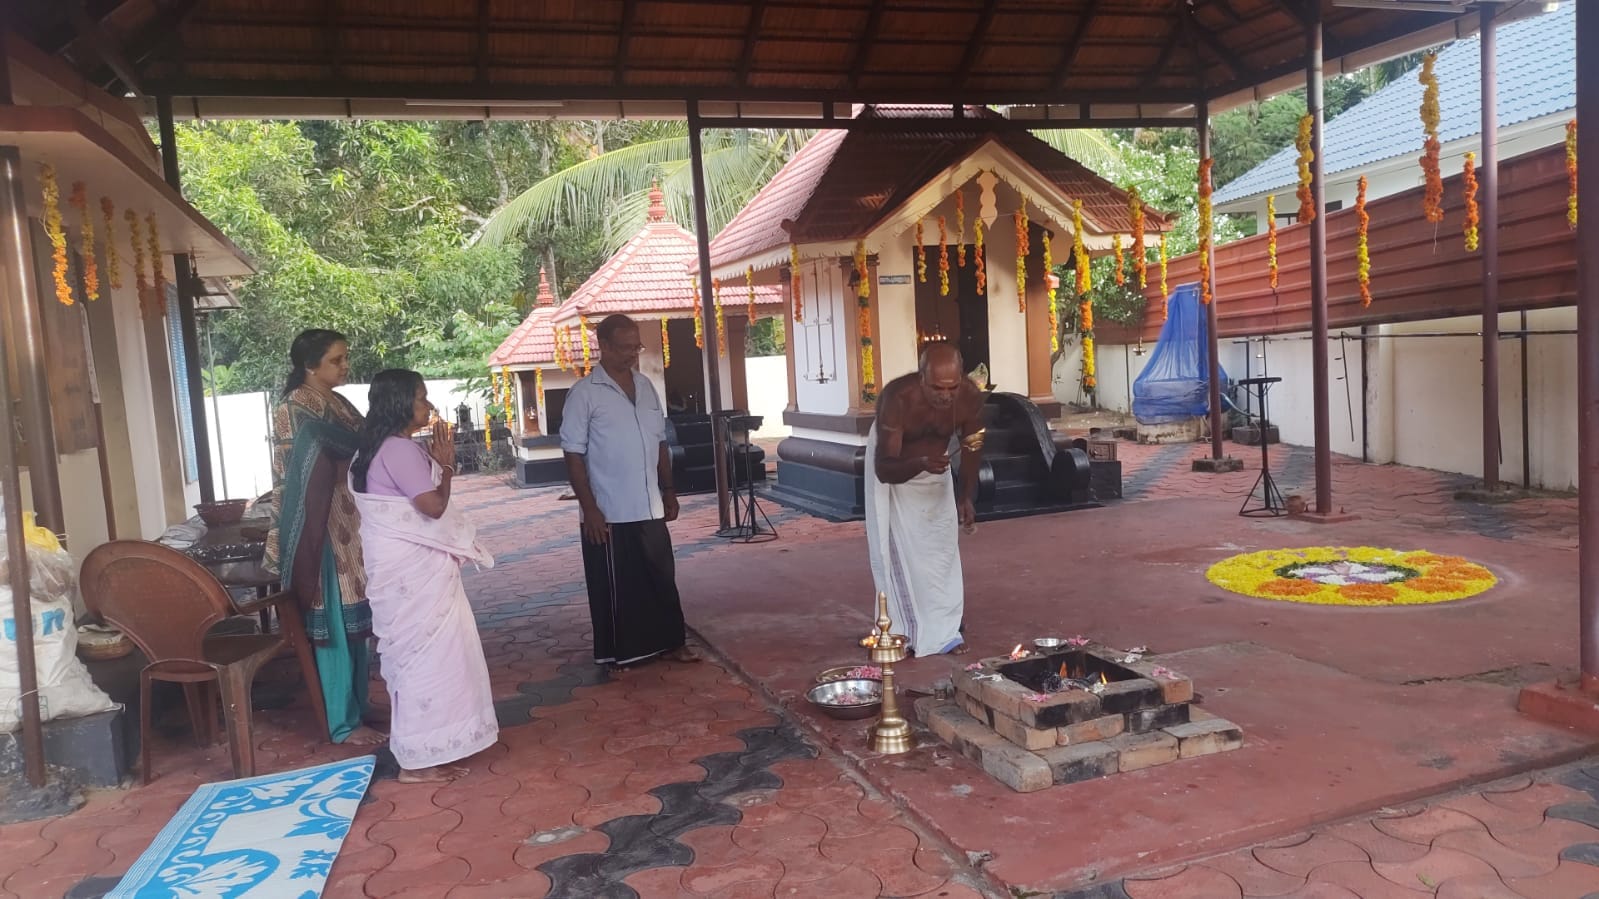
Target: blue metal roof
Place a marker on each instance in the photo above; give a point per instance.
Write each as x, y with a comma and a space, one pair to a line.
1537, 78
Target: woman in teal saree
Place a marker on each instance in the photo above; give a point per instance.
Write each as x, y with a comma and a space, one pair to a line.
315, 542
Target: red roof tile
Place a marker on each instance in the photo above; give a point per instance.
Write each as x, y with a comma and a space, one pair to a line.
842, 183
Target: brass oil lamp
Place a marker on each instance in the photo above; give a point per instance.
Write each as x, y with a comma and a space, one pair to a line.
891, 734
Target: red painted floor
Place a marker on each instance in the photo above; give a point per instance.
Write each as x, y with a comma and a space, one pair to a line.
1362, 720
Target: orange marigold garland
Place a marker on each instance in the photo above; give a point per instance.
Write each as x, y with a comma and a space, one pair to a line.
721, 323
666, 345
113, 258
1468, 181
1085, 281
921, 255
538, 387
1022, 249
863, 306
1571, 173
1271, 238
1121, 259
699, 323
158, 269
943, 258
960, 228
1205, 294
1135, 207
52, 228
91, 277
1362, 244
977, 259
583, 330
1433, 195
795, 283
1164, 291
749, 283
1307, 200
137, 241
1049, 282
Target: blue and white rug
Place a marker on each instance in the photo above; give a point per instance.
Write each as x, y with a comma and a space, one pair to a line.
261, 837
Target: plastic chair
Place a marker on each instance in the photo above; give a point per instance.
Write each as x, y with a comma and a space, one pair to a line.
167, 604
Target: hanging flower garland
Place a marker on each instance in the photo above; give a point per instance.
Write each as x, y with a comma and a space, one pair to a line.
1433, 195
1307, 200
1362, 244
1164, 291
721, 322
749, 285
977, 259
1571, 173
666, 345
509, 397
1085, 281
1468, 181
158, 269
113, 259
699, 322
921, 255
1054, 314
863, 304
583, 330
1121, 259
960, 228
137, 241
794, 282
1271, 238
1205, 294
1089, 367
52, 228
555, 336
1022, 249
91, 277
1085, 327
538, 387
943, 258
1135, 208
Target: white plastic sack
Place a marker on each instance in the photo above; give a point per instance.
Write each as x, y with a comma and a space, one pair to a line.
65, 689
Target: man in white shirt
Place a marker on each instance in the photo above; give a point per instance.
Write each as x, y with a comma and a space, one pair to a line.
613, 432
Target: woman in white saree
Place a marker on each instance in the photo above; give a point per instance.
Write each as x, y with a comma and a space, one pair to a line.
414, 543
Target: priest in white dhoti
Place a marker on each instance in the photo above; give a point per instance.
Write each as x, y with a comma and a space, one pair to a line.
914, 513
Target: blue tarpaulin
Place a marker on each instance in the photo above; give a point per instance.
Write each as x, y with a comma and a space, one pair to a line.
1175, 384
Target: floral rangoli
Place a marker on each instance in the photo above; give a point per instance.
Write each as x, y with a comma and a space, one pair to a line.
1351, 576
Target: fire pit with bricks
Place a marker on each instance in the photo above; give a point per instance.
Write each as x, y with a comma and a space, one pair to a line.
1034, 719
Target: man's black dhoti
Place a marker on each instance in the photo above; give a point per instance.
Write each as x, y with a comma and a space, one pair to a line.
633, 599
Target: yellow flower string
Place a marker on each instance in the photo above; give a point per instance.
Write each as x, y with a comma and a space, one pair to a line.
699, 322
1468, 182
921, 255
1307, 200
1089, 369
1271, 238
1204, 230
1085, 281
555, 336
583, 331
1135, 208
1054, 313
510, 400
721, 322
1433, 194
863, 303
158, 269
1120, 257
666, 345
943, 258
137, 241
977, 258
1164, 291
53, 229
1022, 249
749, 284
113, 258
538, 387
795, 283
1362, 245
1571, 173
91, 277
960, 228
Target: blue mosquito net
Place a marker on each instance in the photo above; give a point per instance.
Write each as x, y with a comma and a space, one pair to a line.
1175, 384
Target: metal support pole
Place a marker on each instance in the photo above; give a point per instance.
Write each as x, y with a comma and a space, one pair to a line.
713, 367
19, 284
1318, 266
184, 281
1588, 342
1212, 350
1489, 231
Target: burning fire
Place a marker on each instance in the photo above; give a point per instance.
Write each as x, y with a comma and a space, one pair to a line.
1018, 652
869, 641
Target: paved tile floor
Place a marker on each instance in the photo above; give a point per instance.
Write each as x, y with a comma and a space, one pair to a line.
682, 780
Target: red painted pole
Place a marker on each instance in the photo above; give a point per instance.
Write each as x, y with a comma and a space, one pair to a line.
1318, 267
1588, 341
1490, 250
